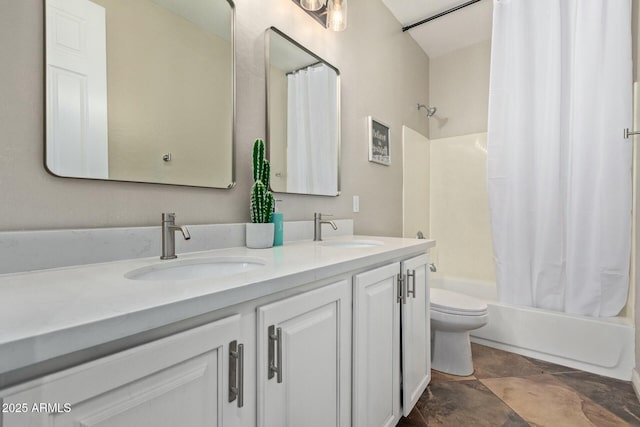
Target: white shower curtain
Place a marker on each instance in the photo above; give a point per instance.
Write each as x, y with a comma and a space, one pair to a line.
559, 169
312, 130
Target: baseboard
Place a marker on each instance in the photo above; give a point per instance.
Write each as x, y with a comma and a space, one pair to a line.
635, 382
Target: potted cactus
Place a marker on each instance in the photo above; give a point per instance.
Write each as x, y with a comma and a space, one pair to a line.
259, 232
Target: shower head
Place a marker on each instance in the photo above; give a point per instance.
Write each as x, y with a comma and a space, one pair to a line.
430, 110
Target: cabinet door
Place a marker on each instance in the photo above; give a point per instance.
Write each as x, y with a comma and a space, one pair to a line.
416, 332
376, 348
181, 380
304, 359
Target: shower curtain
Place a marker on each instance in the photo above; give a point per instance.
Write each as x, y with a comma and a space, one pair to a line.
559, 169
312, 129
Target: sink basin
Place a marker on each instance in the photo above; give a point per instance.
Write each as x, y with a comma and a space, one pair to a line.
353, 243
206, 268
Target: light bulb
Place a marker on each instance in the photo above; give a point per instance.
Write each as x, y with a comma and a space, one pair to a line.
337, 15
312, 5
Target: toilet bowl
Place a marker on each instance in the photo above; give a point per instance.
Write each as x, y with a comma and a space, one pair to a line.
453, 315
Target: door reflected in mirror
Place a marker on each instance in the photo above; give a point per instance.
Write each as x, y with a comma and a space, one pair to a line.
141, 90
303, 118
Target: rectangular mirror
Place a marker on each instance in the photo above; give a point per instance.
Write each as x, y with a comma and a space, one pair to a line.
141, 90
303, 118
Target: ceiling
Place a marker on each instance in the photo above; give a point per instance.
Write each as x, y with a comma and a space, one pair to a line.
456, 30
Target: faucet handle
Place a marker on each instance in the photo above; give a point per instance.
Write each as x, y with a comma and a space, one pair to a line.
168, 216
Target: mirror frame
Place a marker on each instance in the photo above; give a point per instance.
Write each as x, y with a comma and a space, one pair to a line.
268, 98
233, 182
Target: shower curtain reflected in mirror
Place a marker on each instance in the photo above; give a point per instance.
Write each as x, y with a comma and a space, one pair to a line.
312, 129
559, 169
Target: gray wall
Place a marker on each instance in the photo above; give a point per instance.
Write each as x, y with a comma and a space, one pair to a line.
384, 73
459, 88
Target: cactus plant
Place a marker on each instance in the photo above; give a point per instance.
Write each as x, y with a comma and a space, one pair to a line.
261, 197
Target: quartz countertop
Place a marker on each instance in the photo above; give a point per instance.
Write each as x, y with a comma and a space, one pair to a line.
50, 313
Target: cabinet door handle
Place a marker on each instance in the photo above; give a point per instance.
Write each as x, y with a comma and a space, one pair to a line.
405, 290
236, 372
411, 274
401, 297
275, 338
240, 375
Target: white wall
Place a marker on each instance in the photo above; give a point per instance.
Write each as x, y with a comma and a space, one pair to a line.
383, 71
460, 207
416, 169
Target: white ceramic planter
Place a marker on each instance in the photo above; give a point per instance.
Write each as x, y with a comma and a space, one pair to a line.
259, 236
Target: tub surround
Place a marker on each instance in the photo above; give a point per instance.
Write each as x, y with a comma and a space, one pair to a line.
51, 313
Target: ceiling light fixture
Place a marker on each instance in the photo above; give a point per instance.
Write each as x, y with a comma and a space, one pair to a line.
311, 5
331, 14
337, 15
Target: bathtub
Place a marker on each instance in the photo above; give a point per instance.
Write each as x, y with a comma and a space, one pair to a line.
602, 346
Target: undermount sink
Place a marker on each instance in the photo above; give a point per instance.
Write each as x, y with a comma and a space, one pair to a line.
206, 268
353, 243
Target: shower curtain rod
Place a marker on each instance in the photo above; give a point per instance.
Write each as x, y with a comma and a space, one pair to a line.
438, 15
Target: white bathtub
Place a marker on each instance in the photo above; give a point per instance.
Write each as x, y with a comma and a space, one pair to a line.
603, 346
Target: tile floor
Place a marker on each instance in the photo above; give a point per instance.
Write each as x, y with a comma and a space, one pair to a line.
507, 389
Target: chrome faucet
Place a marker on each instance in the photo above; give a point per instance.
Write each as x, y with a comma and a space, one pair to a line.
169, 228
317, 225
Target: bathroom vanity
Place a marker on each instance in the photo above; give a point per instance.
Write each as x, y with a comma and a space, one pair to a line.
307, 334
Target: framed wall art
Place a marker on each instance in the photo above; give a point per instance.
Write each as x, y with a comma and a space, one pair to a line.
379, 142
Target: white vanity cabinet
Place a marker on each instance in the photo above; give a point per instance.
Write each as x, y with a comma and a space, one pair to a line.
416, 331
325, 337
388, 301
304, 359
181, 380
376, 347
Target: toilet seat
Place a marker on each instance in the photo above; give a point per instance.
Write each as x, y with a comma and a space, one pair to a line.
457, 304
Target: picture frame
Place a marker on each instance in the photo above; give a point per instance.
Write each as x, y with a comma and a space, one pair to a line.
379, 142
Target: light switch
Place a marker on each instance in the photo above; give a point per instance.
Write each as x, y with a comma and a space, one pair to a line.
356, 203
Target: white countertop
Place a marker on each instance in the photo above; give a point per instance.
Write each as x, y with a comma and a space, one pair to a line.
50, 313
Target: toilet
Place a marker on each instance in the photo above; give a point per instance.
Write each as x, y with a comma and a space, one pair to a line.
453, 315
